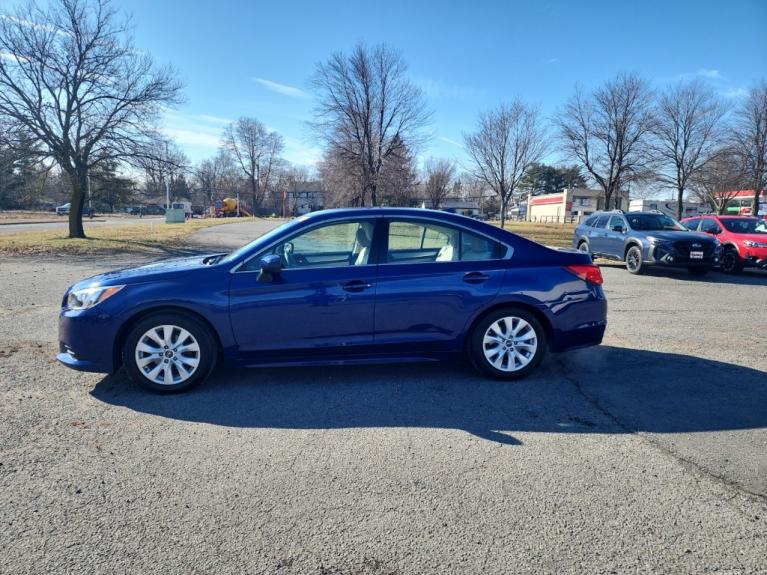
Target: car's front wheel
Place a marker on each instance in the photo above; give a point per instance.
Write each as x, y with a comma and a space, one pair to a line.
634, 260
508, 344
169, 352
731, 263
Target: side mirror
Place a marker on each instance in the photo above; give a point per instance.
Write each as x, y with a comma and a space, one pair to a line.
271, 265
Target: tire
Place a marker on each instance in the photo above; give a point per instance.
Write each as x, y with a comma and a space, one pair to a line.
583, 247
634, 262
698, 271
731, 263
494, 326
151, 358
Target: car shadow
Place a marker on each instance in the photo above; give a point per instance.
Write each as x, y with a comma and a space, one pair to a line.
599, 390
749, 276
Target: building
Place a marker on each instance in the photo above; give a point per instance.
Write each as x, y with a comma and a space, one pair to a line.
299, 198
570, 205
669, 207
467, 207
742, 202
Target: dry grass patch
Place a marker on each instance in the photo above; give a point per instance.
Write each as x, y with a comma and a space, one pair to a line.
155, 237
556, 235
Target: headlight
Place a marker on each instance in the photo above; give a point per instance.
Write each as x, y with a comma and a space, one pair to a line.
751, 244
86, 298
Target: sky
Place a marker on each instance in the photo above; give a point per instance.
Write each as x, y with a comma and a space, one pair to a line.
256, 58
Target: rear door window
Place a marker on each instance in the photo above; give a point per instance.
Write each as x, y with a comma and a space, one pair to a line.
422, 242
601, 221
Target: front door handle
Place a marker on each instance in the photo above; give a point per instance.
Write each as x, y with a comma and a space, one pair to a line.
475, 277
356, 286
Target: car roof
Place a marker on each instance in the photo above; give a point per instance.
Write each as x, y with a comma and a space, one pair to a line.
434, 215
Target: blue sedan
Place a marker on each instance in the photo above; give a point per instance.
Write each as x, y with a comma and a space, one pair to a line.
349, 286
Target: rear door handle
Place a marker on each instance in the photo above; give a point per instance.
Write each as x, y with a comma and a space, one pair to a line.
356, 286
475, 277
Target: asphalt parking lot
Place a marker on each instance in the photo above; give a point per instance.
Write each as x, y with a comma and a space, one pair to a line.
645, 455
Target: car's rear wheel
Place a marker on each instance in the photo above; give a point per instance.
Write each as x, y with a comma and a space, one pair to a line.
508, 344
169, 352
584, 247
634, 260
731, 263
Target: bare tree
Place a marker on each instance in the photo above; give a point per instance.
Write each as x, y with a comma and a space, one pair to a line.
687, 133
256, 151
70, 75
719, 180
341, 179
438, 180
508, 140
163, 164
398, 182
607, 132
751, 138
367, 111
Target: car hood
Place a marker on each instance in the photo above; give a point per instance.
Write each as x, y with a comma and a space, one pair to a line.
153, 271
679, 236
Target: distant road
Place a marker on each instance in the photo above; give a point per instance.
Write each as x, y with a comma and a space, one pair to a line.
232, 236
15, 226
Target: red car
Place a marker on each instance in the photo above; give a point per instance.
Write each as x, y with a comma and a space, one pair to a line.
744, 239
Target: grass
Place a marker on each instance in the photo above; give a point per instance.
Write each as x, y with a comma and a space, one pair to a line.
158, 238
155, 237
555, 235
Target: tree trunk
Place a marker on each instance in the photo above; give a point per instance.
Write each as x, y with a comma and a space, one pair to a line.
373, 196
679, 203
757, 193
503, 212
77, 202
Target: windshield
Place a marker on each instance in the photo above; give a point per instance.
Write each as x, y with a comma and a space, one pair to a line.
650, 222
266, 238
745, 225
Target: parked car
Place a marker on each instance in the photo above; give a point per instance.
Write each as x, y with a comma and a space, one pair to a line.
643, 239
63, 210
743, 239
153, 210
343, 286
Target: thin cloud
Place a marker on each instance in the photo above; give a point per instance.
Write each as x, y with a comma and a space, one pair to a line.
436, 89
283, 89
709, 73
735, 93
553, 60
192, 137
451, 142
30, 24
214, 119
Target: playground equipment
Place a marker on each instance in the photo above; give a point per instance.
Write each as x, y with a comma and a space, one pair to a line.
229, 208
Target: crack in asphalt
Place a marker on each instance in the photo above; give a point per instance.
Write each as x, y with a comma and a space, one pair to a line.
690, 465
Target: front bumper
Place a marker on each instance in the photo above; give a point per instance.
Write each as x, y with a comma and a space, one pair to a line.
86, 340
664, 255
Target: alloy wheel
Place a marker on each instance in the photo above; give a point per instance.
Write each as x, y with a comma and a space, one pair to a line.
509, 344
167, 355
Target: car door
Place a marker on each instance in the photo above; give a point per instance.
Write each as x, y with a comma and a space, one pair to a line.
322, 301
432, 279
615, 236
596, 234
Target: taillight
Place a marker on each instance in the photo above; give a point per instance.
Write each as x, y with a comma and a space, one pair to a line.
587, 272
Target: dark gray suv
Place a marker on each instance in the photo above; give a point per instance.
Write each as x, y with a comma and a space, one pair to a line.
642, 239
